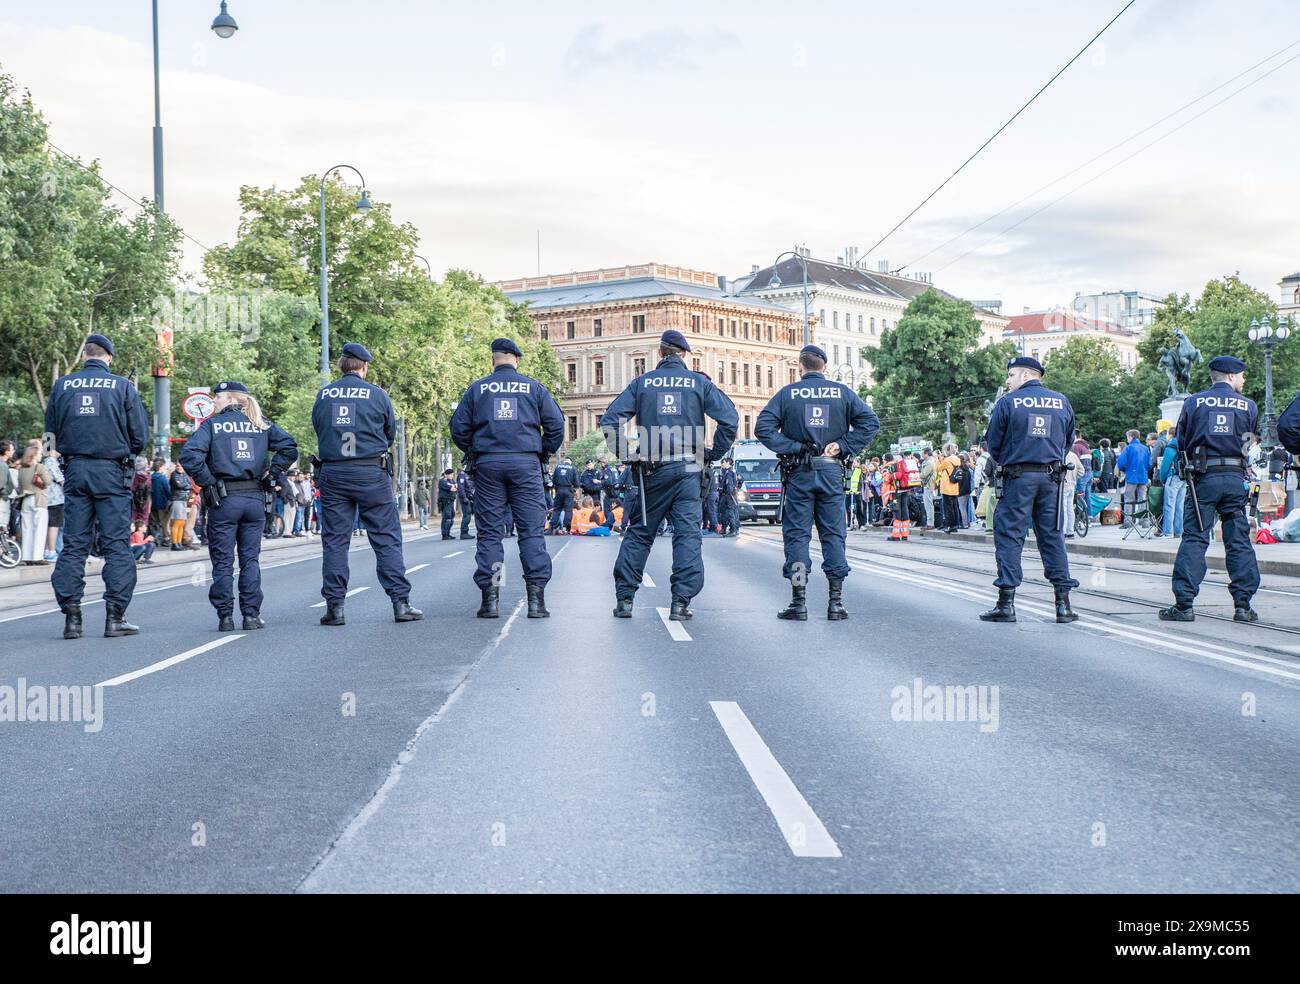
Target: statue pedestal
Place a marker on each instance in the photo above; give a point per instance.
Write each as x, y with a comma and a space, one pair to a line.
1171, 408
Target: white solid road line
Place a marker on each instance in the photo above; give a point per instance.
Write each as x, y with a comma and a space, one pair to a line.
675, 629
647, 581
417, 567
321, 604
803, 831
163, 664
450, 555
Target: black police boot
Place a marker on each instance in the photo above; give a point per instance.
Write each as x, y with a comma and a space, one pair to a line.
1004, 610
537, 601
115, 623
226, 622
403, 612
72, 621
1177, 613
333, 614
1064, 613
623, 609
835, 610
252, 622
681, 610
491, 599
1245, 613
797, 610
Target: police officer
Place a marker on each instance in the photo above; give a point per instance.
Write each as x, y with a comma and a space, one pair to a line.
96, 421
608, 492
1213, 432
511, 425
815, 425
355, 425
1029, 431
628, 494
447, 502
728, 510
711, 526
590, 481
670, 404
465, 496
565, 480
227, 456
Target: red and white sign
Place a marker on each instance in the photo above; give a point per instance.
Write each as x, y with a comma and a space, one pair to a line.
198, 406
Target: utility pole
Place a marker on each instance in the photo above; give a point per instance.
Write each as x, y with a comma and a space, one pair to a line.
947, 419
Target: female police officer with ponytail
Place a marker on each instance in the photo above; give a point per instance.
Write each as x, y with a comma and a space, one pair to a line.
227, 456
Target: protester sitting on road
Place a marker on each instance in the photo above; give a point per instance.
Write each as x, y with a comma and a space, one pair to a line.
142, 542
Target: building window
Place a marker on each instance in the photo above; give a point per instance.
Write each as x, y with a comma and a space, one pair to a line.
770, 384
746, 373
745, 333
733, 374
695, 323
571, 372
722, 327
569, 331
789, 336
695, 365
835, 320
848, 354
821, 317
600, 373
747, 432
597, 328
546, 331
859, 324
573, 428
638, 324
638, 367
792, 375
835, 355
733, 327
873, 326
769, 333
884, 325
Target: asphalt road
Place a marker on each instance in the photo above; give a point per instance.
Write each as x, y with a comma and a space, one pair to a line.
585, 753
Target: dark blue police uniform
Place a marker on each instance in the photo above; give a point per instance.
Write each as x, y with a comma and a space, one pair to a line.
711, 502
1028, 432
98, 424
1212, 430
355, 425
565, 480
228, 449
465, 496
670, 404
1288, 427
510, 423
609, 494
799, 421
728, 508
446, 505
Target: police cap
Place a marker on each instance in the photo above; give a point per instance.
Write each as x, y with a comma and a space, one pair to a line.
506, 345
676, 339
102, 341
815, 351
355, 350
1227, 363
1025, 362
230, 386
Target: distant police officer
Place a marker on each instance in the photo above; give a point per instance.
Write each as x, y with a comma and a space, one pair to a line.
465, 496
670, 404
511, 425
711, 504
355, 425
1029, 431
1288, 427
815, 425
227, 456
1213, 432
447, 502
565, 480
728, 510
97, 422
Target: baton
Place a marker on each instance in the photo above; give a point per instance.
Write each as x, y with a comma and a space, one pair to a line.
640, 481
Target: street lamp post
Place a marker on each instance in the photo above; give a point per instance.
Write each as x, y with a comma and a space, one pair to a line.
1268, 337
363, 206
223, 26
776, 282
426, 266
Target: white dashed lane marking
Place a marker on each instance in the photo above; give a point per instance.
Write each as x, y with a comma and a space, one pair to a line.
675, 629
172, 661
321, 604
450, 555
417, 567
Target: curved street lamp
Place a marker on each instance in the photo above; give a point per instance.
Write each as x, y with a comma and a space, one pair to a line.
426, 266
363, 206
776, 282
223, 25
1268, 337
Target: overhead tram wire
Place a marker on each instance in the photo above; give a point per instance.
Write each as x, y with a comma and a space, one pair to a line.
1130, 138
1125, 160
1059, 73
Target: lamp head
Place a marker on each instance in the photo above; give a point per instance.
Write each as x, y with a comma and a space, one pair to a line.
224, 26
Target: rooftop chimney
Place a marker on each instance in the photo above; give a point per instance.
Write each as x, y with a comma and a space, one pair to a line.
722, 284
882, 266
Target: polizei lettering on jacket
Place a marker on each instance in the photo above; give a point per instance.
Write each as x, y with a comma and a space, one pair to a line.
1038, 402
505, 387
676, 382
1223, 402
90, 382
234, 427
816, 392
345, 392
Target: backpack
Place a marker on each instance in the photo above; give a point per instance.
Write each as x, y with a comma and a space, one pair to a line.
957, 475
142, 496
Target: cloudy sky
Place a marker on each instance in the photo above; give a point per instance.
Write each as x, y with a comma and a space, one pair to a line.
717, 134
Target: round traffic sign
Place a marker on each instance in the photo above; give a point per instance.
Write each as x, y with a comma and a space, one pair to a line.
198, 406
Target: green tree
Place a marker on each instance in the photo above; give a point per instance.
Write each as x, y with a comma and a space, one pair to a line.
1085, 356
590, 445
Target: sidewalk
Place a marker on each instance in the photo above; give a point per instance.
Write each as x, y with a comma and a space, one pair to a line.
1282, 559
166, 557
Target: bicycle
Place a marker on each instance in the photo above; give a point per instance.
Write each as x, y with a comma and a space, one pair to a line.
1082, 516
10, 552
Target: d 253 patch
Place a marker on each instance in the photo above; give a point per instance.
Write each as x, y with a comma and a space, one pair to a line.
816, 414
505, 408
